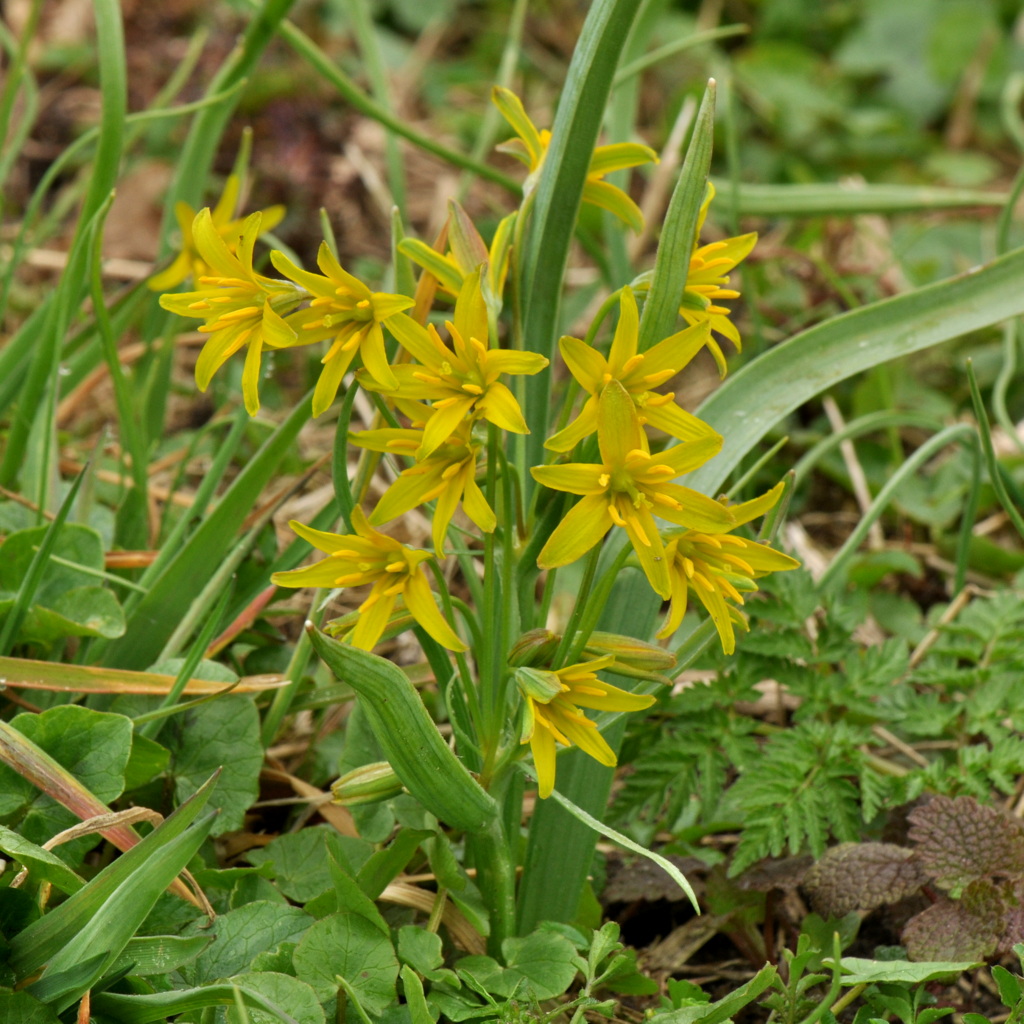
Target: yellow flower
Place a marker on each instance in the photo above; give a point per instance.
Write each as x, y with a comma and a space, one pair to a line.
461, 382
553, 700
189, 262
370, 557
719, 568
447, 474
531, 147
240, 307
345, 312
707, 281
639, 374
627, 488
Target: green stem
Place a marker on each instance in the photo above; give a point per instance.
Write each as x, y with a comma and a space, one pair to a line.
496, 876
293, 673
567, 642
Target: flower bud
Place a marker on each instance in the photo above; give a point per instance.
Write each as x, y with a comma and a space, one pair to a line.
634, 658
368, 784
534, 648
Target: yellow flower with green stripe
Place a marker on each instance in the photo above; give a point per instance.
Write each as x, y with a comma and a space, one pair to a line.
189, 262
638, 373
628, 488
241, 308
719, 569
346, 313
531, 147
553, 702
461, 382
447, 474
393, 570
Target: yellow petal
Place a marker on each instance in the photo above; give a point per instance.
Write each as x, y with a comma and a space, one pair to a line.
512, 110
419, 599
618, 156
574, 477
499, 406
625, 341
618, 426
615, 201
585, 363
542, 746
583, 527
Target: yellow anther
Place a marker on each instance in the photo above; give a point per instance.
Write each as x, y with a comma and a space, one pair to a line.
616, 516
396, 566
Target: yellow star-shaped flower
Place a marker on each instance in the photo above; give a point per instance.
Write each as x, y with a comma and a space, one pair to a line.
638, 373
553, 700
240, 307
447, 474
460, 382
531, 147
345, 312
719, 569
189, 263
628, 488
369, 557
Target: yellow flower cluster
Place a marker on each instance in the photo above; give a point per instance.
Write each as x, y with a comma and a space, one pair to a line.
446, 395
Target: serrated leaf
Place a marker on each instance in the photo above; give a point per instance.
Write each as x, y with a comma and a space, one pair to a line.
961, 840
967, 928
862, 876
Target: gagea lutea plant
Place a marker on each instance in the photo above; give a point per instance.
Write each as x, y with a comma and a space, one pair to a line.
446, 370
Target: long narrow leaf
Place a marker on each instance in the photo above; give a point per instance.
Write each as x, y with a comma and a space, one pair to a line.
42, 939
155, 617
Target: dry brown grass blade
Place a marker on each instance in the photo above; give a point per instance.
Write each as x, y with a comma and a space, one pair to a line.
25, 674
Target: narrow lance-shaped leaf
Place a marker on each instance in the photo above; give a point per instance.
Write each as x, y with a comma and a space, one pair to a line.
661, 310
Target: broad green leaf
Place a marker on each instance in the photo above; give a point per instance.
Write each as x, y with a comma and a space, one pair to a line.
42, 865
349, 946
24, 1008
94, 748
145, 762
243, 933
75, 543
225, 734
539, 966
301, 861
860, 971
724, 1009
282, 990
765, 390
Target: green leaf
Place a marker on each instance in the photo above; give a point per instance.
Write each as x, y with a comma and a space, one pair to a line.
159, 1006
65, 979
243, 933
50, 935
859, 971
382, 868
672, 263
283, 990
223, 733
156, 616
159, 954
146, 760
723, 1009
92, 745
539, 966
349, 946
419, 1011
41, 864
301, 861
23, 1008
559, 187
420, 949
75, 543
